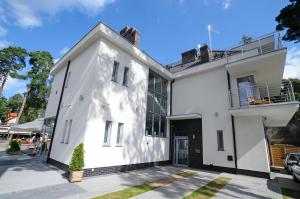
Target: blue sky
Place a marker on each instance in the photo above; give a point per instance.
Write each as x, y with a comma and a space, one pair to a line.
168, 27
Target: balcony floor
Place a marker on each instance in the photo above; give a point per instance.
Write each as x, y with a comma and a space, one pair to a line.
276, 114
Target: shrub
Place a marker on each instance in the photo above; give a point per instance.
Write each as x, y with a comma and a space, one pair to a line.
14, 146
77, 162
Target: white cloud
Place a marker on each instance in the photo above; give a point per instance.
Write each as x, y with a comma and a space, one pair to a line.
226, 4
3, 31
4, 44
292, 66
14, 86
30, 13
56, 60
64, 50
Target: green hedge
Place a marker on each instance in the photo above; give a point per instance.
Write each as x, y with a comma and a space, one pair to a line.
77, 162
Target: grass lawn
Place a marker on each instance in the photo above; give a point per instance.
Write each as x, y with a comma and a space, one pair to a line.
210, 189
290, 194
147, 186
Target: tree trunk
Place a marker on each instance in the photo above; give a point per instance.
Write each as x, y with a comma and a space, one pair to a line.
23, 106
3, 83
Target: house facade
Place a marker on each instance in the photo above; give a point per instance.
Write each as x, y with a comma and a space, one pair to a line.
209, 110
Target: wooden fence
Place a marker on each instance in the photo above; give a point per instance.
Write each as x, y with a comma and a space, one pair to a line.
278, 151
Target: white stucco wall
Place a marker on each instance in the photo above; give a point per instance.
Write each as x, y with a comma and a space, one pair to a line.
251, 145
91, 98
72, 107
112, 101
207, 94
55, 92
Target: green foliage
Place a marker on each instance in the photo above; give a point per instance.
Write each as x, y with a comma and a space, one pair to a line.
77, 162
289, 18
296, 86
246, 39
41, 63
12, 60
14, 146
15, 102
4, 109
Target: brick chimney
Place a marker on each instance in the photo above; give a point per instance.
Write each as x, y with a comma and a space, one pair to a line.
204, 56
132, 35
189, 56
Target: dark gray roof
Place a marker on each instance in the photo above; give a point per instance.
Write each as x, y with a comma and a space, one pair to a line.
215, 55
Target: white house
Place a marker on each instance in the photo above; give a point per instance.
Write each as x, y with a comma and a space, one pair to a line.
209, 110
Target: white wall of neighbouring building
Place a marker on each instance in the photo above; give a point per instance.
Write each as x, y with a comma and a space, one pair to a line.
251, 145
207, 94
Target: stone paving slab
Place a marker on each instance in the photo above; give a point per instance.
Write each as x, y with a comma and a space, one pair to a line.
180, 188
100, 185
249, 188
48, 192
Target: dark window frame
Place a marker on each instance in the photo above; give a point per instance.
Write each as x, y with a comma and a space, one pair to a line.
114, 75
220, 140
159, 101
125, 76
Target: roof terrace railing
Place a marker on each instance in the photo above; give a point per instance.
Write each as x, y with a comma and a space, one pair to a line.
261, 95
261, 45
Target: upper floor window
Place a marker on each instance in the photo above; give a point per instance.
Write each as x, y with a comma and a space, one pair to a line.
125, 76
114, 76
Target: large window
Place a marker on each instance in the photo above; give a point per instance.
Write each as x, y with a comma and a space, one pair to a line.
156, 105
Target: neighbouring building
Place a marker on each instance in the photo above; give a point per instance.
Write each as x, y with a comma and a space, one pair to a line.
208, 110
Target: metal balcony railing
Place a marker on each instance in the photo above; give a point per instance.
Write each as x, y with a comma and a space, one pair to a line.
261, 95
253, 47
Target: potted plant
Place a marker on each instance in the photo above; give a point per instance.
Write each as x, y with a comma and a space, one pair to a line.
76, 165
14, 147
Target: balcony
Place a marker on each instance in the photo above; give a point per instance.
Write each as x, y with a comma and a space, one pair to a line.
258, 46
276, 104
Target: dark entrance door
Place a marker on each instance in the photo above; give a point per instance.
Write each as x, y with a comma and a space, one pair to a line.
192, 129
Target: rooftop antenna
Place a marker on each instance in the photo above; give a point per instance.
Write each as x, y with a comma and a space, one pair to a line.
209, 36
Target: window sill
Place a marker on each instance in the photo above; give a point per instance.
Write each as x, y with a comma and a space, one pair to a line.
119, 145
221, 150
106, 145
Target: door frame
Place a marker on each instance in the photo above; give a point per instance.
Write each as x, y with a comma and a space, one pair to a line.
175, 151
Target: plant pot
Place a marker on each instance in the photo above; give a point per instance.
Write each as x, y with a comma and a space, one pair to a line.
75, 176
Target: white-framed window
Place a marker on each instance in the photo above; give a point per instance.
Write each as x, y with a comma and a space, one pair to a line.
64, 132
69, 132
125, 76
107, 132
68, 79
114, 76
120, 134
220, 140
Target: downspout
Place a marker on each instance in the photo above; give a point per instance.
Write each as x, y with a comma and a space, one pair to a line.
58, 109
170, 129
233, 125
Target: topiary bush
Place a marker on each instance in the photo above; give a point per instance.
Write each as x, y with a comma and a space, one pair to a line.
14, 146
77, 162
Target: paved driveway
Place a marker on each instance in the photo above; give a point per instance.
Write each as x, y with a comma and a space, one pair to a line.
25, 177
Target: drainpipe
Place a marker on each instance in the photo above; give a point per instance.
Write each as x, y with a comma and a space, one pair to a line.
233, 126
170, 129
58, 109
